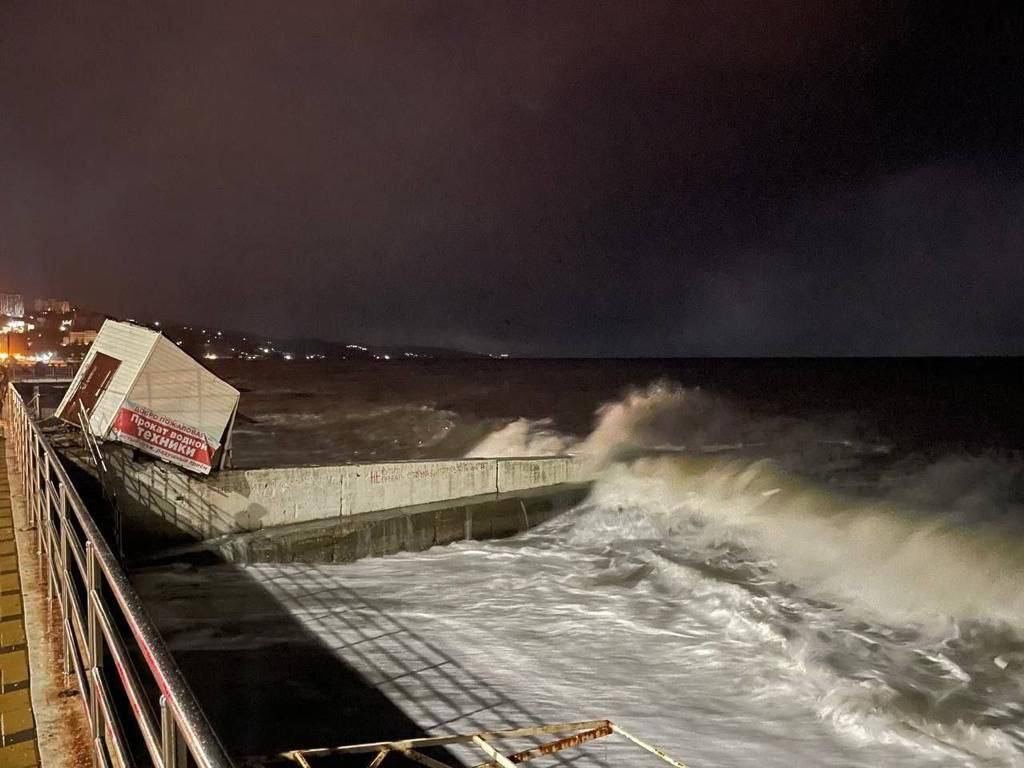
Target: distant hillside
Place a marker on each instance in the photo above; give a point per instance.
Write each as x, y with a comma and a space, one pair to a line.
215, 343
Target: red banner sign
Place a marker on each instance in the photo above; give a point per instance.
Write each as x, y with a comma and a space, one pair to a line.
164, 438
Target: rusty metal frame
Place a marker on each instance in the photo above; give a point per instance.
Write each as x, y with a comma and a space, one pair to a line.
579, 733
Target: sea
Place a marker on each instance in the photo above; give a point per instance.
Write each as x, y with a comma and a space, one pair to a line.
781, 563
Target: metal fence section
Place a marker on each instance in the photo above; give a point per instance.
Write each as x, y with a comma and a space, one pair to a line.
139, 708
409, 749
41, 372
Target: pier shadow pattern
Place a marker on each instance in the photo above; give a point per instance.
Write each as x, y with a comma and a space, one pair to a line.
441, 694
288, 658
266, 683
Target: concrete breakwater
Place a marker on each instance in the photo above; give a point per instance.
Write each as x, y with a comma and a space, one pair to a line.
339, 512
409, 529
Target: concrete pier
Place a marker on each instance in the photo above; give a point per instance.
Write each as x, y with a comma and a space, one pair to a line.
409, 529
341, 512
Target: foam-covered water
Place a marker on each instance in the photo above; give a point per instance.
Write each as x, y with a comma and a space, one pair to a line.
741, 590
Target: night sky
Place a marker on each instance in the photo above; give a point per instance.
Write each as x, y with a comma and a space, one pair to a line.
566, 178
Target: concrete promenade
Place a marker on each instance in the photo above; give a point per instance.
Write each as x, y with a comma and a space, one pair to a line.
41, 717
18, 747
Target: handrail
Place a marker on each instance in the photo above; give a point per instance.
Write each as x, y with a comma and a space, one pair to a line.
581, 732
182, 735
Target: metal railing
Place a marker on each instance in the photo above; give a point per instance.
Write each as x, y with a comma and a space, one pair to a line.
580, 733
104, 624
41, 372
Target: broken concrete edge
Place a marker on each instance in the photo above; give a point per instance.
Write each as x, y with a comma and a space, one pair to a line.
62, 730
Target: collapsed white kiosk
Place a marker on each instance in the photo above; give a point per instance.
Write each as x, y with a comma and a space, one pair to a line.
137, 387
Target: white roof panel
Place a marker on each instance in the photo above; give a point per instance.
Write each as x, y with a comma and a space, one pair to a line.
176, 386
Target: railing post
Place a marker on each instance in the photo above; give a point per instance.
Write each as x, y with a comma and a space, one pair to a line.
63, 512
32, 481
26, 450
175, 753
51, 567
92, 624
37, 488
46, 511
26, 470
40, 485
93, 634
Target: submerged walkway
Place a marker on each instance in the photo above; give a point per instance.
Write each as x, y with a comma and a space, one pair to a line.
18, 747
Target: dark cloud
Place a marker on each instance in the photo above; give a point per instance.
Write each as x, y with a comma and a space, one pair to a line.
589, 178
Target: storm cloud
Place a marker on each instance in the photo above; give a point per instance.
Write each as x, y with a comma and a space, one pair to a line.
539, 178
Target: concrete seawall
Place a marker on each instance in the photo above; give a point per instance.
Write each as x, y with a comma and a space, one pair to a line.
371, 534
162, 502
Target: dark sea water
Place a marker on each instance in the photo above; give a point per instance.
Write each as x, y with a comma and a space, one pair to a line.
320, 412
782, 563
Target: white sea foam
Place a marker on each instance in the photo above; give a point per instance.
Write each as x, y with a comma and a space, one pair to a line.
899, 562
741, 589
523, 437
886, 597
